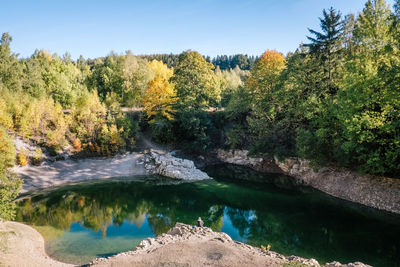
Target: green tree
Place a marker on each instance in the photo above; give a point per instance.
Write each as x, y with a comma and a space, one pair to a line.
229, 81
136, 74
195, 81
261, 85
368, 104
124, 75
10, 184
316, 130
10, 68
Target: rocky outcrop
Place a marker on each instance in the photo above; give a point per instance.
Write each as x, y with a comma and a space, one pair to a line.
241, 157
165, 164
378, 192
187, 245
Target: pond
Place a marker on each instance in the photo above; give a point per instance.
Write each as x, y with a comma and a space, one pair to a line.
81, 222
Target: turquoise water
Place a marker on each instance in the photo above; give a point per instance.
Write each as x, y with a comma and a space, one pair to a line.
85, 221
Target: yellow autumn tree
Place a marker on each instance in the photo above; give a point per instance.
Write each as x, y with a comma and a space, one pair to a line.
160, 94
265, 74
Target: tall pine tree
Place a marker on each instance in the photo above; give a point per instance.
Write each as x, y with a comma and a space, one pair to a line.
326, 46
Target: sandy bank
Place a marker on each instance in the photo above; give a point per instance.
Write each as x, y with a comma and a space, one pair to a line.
23, 246
73, 171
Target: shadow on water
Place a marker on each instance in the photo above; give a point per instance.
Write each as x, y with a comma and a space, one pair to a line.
81, 222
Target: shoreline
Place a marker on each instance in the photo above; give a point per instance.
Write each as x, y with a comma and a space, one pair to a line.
187, 245
382, 194
71, 171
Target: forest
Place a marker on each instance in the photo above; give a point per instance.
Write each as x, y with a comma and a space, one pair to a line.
335, 100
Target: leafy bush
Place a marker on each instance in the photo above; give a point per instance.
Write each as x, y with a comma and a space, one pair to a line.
22, 157
235, 137
162, 131
77, 145
10, 184
195, 129
100, 132
37, 157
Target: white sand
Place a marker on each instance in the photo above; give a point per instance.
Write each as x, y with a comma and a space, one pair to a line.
74, 171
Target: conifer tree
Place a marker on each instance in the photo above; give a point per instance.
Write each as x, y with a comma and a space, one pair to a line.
326, 46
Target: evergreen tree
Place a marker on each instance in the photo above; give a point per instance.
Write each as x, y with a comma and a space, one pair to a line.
397, 9
326, 46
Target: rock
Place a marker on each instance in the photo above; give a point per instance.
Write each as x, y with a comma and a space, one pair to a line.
167, 165
338, 264
240, 157
214, 246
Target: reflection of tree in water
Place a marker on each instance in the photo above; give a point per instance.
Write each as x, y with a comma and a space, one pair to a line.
98, 206
242, 220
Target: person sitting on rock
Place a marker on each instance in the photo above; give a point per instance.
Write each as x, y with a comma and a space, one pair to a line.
200, 223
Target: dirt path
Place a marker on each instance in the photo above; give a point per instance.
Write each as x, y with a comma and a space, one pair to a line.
23, 246
145, 142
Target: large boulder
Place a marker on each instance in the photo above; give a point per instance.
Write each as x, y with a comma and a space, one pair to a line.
165, 164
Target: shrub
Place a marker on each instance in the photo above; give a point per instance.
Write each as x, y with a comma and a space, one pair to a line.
22, 157
162, 131
37, 157
195, 129
77, 145
10, 184
235, 137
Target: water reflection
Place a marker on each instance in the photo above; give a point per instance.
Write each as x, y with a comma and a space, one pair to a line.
85, 221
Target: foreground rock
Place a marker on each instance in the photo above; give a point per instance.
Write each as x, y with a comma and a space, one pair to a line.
377, 192
165, 164
186, 245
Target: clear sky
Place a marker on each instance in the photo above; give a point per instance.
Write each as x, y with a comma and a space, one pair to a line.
93, 28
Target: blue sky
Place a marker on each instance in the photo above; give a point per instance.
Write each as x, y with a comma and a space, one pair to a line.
94, 28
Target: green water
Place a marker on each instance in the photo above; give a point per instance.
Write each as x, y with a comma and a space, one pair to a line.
92, 220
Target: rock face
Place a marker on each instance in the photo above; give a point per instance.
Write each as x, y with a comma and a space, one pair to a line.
187, 245
165, 164
240, 157
378, 192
